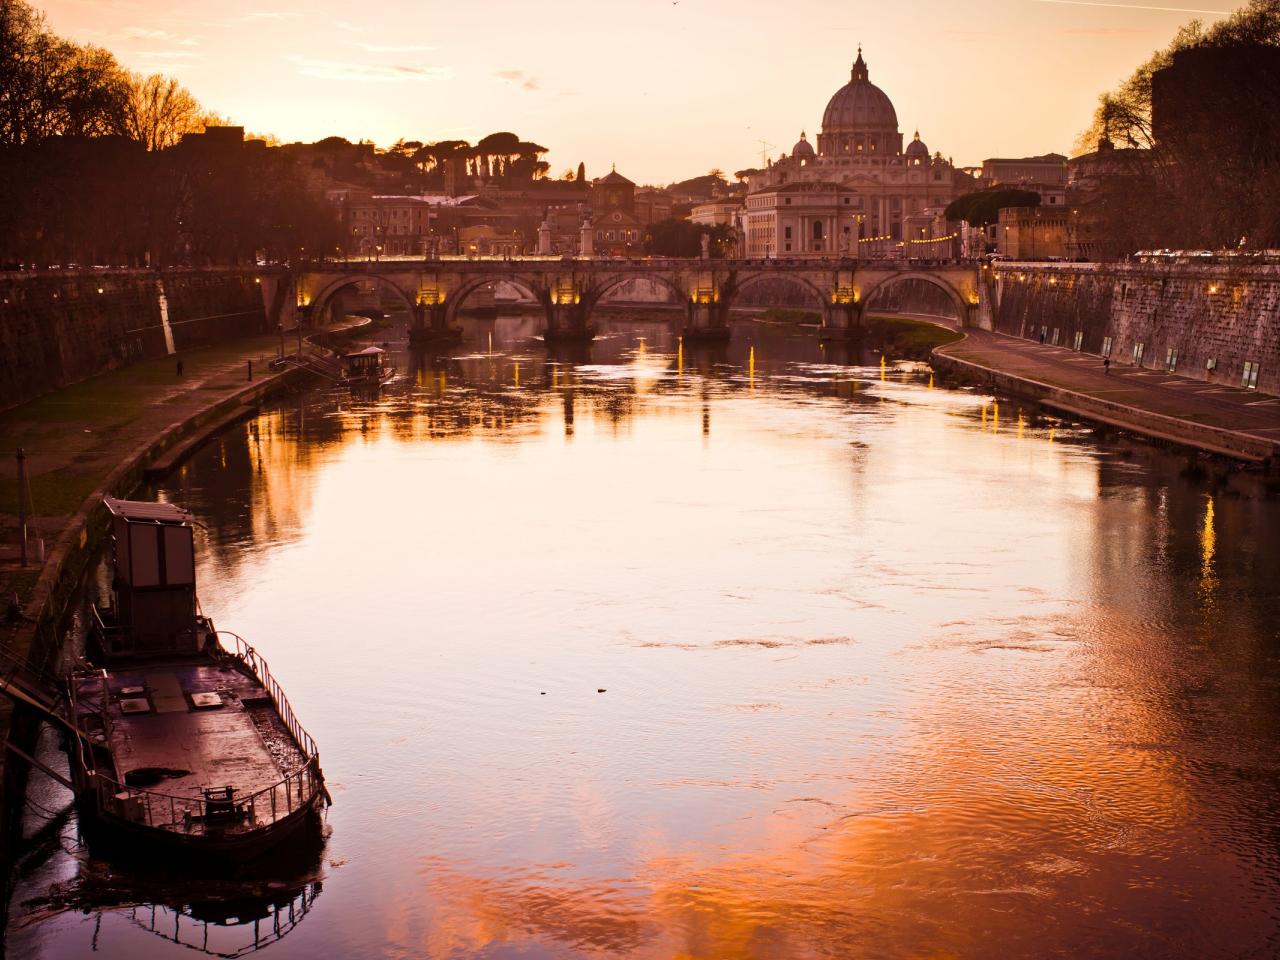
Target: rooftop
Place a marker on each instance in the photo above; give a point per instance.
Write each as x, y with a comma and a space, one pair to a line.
146, 510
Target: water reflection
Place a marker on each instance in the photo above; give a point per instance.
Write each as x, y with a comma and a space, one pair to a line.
878, 675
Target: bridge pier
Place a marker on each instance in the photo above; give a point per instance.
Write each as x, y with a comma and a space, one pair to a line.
431, 326
706, 322
841, 321
568, 322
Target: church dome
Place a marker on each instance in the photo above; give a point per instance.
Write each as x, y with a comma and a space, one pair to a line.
859, 106
803, 148
917, 148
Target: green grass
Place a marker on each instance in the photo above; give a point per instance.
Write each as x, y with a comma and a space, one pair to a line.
790, 315
910, 339
57, 493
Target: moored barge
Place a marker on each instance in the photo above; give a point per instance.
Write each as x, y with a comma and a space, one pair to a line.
366, 367
183, 739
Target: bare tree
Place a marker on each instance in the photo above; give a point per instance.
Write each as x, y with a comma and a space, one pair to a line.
160, 110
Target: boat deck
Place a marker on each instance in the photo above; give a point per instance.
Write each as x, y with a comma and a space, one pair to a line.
181, 728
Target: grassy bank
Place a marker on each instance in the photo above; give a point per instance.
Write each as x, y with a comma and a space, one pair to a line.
908, 339
76, 436
790, 315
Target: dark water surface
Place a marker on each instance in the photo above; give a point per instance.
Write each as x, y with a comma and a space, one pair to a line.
888, 671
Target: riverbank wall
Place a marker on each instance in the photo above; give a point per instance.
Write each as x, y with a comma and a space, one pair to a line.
1213, 322
60, 328
1077, 404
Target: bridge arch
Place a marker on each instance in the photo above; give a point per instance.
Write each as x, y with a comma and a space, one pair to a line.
954, 294
456, 297
820, 297
323, 300
612, 283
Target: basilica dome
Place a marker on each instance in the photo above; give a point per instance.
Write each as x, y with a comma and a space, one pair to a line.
803, 148
859, 106
917, 148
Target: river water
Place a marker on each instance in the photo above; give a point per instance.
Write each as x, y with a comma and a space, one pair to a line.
724, 653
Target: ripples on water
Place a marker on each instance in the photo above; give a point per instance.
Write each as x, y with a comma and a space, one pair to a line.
888, 670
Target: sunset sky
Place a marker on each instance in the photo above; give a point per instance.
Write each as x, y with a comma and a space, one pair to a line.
666, 90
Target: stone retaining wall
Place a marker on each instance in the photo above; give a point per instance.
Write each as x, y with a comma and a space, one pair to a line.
1226, 314
57, 329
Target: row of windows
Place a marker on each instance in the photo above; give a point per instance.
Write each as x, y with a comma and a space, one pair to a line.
393, 214
624, 235
400, 228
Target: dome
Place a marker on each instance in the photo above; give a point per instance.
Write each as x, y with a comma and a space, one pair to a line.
860, 106
917, 148
803, 148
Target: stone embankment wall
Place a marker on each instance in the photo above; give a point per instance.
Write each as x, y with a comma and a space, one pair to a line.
1226, 314
58, 328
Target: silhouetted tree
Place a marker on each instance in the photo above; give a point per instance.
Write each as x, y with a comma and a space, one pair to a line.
982, 207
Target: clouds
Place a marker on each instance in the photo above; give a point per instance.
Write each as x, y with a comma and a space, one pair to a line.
366, 72
1132, 6
156, 36
526, 81
396, 48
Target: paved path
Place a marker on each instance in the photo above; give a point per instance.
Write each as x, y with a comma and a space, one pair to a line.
1126, 389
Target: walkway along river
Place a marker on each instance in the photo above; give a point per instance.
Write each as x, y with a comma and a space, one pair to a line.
751, 651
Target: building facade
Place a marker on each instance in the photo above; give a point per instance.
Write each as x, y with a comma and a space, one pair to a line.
618, 231
387, 226
856, 193
1045, 175
1033, 233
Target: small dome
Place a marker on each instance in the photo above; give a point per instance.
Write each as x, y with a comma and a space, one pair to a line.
803, 148
859, 106
917, 148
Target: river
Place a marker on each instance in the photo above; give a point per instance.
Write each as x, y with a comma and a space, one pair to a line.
751, 651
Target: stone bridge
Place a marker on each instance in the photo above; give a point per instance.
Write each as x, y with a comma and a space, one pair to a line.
569, 289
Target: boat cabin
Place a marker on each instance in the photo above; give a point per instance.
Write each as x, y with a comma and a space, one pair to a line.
366, 364
153, 581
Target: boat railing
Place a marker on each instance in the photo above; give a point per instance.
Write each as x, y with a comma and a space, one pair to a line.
110, 636
196, 815
211, 812
258, 666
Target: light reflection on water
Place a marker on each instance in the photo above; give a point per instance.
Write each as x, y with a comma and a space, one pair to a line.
887, 670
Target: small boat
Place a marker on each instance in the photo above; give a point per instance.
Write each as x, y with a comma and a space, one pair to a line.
181, 738
367, 366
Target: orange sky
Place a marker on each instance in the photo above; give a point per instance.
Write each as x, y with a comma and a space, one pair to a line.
665, 89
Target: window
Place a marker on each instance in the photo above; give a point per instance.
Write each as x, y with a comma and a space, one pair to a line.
787, 247
817, 229
1171, 359
787, 200
1138, 350
1106, 346
786, 233
1249, 379
1079, 340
